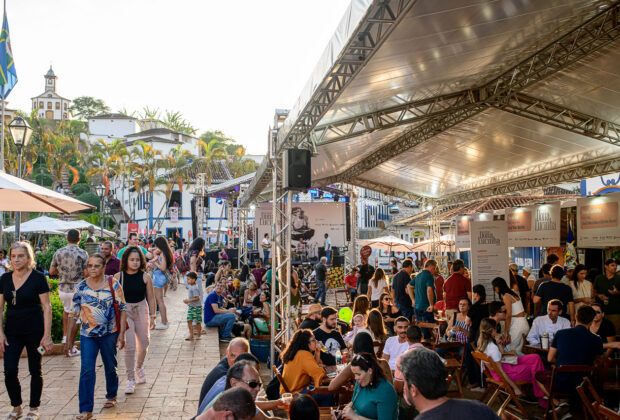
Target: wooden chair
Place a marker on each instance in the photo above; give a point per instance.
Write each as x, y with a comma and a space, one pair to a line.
588, 396
278, 375
454, 364
609, 378
342, 297
552, 391
435, 330
501, 385
605, 413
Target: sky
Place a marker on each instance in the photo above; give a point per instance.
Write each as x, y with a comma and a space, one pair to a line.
225, 65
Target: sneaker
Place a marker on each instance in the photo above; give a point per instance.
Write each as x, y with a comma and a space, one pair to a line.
74, 352
130, 388
161, 326
140, 376
64, 339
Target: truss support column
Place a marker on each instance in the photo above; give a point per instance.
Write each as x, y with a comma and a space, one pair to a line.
242, 225
353, 252
200, 209
435, 232
281, 252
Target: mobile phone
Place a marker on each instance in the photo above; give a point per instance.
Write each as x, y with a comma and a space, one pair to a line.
41, 350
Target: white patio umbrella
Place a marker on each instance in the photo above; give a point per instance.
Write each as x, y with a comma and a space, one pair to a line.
83, 224
446, 242
20, 195
43, 224
388, 243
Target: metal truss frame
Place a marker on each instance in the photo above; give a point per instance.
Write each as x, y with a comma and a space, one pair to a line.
380, 19
375, 186
200, 192
583, 170
280, 254
242, 224
581, 41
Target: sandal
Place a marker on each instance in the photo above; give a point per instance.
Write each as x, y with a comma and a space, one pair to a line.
84, 416
110, 403
14, 415
33, 415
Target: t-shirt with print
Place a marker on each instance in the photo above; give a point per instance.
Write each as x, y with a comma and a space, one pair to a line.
70, 261
24, 314
193, 290
457, 409
394, 348
333, 341
96, 309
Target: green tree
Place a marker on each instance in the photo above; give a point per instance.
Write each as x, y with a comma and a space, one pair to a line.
177, 164
147, 162
175, 121
87, 106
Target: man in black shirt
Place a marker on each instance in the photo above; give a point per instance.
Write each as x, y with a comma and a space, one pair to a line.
399, 289
426, 388
366, 272
313, 320
236, 347
320, 271
555, 289
329, 336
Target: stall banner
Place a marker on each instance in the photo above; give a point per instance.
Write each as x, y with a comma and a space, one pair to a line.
174, 214
598, 221
462, 232
310, 222
489, 252
537, 225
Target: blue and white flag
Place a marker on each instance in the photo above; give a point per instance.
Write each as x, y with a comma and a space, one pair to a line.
8, 74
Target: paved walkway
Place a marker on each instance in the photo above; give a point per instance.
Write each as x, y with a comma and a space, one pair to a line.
175, 370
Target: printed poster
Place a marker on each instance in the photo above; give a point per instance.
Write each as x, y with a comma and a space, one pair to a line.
462, 232
537, 225
598, 221
489, 252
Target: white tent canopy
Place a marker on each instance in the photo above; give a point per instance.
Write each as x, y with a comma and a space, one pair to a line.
388, 243
20, 195
446, 244
49, 225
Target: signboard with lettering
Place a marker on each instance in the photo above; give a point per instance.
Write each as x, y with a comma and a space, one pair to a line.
537, 225
489, 252
462, 232
599, 185
598, 221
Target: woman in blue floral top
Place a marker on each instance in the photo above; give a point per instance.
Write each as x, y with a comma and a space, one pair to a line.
93, 302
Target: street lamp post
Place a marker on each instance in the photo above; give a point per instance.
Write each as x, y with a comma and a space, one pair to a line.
21, 133
101, 193
147, 207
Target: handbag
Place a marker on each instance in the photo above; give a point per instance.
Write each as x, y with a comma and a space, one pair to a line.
115, 305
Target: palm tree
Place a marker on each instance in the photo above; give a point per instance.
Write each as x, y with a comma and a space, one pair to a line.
238, 164
122, 166
211, 151
177, 164
175, 121
146, 165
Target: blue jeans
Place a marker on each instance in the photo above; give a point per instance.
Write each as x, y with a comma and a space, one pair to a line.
90, 348
321, 292
407, 311
328, 255
425, 316
224, 322
266, 256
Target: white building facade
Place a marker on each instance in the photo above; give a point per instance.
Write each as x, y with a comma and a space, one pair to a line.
50, 105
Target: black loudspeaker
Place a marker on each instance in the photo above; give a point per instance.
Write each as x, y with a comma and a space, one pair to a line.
194, 221
347, 216
338, 261
298, 175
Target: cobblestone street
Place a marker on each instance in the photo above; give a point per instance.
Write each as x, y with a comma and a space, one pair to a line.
175, 370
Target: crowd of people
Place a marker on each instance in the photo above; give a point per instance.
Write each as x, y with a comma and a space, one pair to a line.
389, 356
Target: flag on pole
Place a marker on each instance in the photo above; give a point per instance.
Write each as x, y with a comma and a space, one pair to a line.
8, 74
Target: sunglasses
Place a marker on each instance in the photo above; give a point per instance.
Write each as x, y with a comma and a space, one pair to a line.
253, 384
94, 266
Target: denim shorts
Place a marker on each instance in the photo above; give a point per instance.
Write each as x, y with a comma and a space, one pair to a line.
159, 279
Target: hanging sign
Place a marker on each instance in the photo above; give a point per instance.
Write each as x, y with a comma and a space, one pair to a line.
462, 232
598, 221
489, 252
537, 225
174, 214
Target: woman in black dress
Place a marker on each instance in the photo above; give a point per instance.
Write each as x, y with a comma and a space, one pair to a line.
28, 324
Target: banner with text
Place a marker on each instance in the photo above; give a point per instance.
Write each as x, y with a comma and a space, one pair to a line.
489, 252
598, 221
462, 232
310, 222
537, 225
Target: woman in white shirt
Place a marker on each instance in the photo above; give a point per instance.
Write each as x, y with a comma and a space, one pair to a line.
376, 286
515, 325
525, 368
583, 292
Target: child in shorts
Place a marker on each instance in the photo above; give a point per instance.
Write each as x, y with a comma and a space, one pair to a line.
194, 306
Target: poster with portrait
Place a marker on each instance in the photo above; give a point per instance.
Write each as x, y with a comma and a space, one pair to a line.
310, 222
537, 225
598, 221
462, 238
489, 252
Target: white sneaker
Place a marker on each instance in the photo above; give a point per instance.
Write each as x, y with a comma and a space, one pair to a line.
140, 376
161, 326
130, 388
74, 352
64, 339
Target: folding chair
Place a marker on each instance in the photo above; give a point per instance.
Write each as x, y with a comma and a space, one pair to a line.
435, 330
605, 413
342, 297
588, 396
501, 385
454, 364
554, 393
